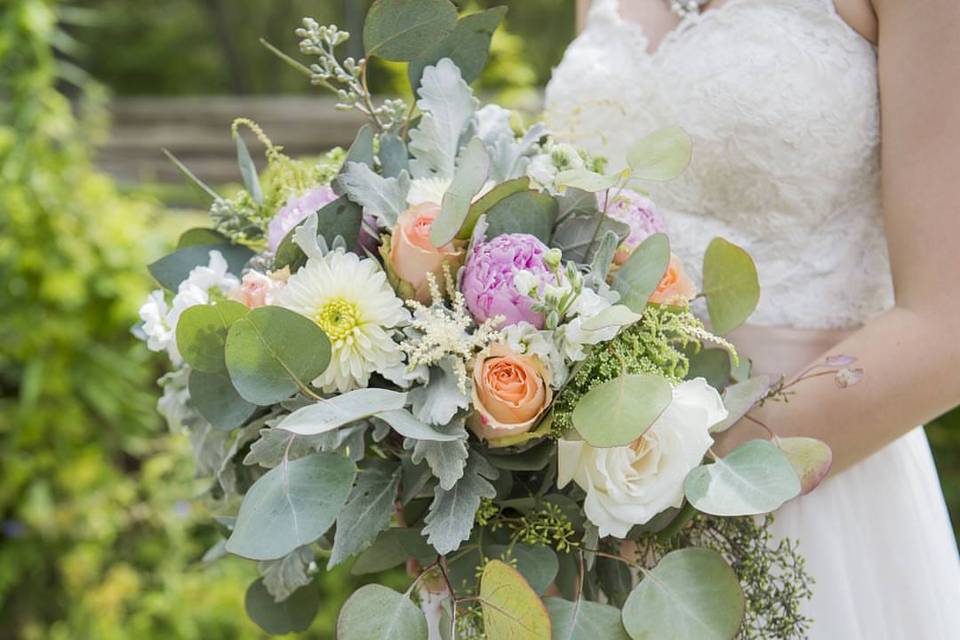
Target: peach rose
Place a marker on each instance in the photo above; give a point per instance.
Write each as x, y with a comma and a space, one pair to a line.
510, 393
675, 287
413, 256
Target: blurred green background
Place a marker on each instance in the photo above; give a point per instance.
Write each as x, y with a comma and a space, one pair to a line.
99, 536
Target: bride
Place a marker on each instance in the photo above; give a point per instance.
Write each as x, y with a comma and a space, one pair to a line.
783, 100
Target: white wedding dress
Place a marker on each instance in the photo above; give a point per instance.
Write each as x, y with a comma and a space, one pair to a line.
780, 98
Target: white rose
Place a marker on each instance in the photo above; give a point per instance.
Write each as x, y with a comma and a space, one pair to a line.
628, 486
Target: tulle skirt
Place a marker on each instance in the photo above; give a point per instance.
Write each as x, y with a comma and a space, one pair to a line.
877, 540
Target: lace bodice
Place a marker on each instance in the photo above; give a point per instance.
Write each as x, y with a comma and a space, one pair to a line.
780, 98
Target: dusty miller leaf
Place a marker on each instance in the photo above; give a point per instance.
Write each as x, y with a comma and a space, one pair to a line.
448, 105
451, 515
438, 401
284, 576
446, 459
367, 512
385, 198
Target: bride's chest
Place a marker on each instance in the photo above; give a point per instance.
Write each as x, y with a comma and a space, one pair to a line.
771, 91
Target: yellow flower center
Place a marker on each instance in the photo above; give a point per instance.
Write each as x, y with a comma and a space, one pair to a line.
338, 318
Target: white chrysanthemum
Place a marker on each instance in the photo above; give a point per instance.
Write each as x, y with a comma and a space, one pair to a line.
160, 321
351, 300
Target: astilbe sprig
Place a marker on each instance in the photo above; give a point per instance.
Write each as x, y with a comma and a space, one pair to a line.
446, 330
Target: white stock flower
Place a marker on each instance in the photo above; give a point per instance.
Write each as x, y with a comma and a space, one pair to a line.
351, 300
160, 321
629, 485
580, 332
555, 158
525, 339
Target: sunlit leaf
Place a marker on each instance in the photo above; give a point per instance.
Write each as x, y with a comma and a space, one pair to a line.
810, 458
730, 284
662, 155
202, 333
617, 412
512, 610
375, 612
755, 478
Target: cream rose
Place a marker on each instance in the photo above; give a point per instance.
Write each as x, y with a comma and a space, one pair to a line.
629, 485
413, 256
510, 393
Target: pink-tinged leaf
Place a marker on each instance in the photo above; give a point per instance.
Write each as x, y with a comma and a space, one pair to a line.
848, 377
840, 361
810, 458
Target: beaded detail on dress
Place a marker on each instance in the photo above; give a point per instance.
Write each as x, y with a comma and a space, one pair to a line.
780, 98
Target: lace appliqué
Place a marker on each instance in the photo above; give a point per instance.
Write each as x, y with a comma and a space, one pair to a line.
780, 98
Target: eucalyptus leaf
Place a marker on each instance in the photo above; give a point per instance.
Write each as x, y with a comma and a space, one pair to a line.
402, 30
468, 180
201, 235
755, 478
375, 612
538, 564
662, 155
273, 444
273, 352
174, 268
291, 505
533, 459
338, 219
385, 198
448, 105
251, 179
488, 200
577, 203
617, 412
216, 399
331, 413
392, 548
523, 212
616, 580
468, 46
602, 258
368, 510
584, 620
405, 424
512, 610
713, 365
577, 235
202, 333
692, 594
451, 516
730, 284
393, 155
811, 460
740, 398
293, 615
587, 180
638, 277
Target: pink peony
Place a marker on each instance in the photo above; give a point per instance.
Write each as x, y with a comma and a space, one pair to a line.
640, 214
488, 279
295, 211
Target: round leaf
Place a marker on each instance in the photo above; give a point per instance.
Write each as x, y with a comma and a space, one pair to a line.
202, 333
731, 285
468, 180
511, 609
293, 615
213, 395
617, 412
662, 155
201, 235
740, 398
755, 478
584, 620
402, 30
272, 352
693, 594
485, 202
375, 612
173, 269
293, 504
537, 564
468, 46
810, 458
639, 276
524, 212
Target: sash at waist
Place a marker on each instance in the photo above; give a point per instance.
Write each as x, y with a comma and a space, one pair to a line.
785, 351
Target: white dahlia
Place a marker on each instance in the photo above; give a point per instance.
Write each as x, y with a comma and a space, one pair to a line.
351, 300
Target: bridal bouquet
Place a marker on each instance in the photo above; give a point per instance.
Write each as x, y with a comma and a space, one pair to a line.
465, 348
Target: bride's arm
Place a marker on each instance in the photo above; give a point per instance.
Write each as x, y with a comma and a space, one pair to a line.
911, 354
